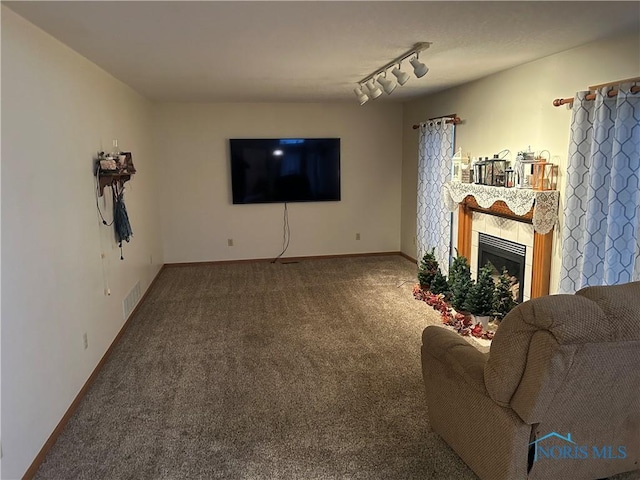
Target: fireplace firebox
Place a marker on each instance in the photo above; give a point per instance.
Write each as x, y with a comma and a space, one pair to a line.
500, 254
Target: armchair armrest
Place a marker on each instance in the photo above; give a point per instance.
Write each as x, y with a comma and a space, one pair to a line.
454, 352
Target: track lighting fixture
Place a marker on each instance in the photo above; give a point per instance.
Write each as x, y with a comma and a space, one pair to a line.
389, 85
419, 68
374, 92
403, 77
362, 97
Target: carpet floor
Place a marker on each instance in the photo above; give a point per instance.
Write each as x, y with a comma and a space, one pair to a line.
306, 370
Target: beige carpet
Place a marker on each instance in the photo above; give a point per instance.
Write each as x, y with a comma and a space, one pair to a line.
308, 370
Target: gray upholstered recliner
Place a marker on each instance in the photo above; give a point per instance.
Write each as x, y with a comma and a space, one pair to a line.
558, 395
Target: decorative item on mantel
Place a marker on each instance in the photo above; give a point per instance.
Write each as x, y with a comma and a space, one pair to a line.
460, 166
524, 168
519, 201
479, 171
509, 178
466, 173
497, 169
491, 171
545, 176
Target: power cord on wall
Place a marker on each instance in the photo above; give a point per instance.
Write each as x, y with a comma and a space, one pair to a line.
286, 235
104, 222
103, 256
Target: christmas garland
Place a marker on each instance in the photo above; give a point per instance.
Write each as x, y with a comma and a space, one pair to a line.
463, 324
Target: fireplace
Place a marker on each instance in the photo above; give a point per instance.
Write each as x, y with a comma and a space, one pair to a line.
500, 254
508, 204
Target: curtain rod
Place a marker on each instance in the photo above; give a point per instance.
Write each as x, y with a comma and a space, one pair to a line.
453, 118
591, 96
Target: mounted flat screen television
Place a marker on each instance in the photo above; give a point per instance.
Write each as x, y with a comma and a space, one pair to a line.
270, 170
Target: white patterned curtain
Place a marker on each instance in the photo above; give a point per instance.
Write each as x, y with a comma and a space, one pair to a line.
435, 150
601, 235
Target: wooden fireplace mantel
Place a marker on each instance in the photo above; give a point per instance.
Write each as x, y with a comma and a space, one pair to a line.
542, 243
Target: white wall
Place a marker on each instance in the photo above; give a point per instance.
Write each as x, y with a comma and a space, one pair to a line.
194, 180
513, 109
58, 110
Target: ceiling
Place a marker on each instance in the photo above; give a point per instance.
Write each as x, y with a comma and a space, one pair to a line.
314, 51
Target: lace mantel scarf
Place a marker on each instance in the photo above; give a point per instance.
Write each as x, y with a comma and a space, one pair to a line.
519, 201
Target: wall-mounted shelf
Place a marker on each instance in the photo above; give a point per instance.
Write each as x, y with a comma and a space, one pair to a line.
110, 179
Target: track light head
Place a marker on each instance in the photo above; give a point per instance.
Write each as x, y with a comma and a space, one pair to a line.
374, 92
419, 68
362, 97
387, 85
403, 77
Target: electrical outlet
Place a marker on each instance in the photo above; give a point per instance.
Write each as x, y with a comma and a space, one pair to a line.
151, 258
85, 340
230, 242
357, 236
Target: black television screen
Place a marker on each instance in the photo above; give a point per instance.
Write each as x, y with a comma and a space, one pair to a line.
269, 170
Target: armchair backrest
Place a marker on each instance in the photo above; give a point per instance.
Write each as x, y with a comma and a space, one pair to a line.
571, 363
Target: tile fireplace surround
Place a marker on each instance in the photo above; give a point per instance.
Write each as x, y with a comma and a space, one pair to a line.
493, 216
508, 229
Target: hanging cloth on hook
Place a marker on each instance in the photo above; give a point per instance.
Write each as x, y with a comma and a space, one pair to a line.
120, 218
